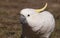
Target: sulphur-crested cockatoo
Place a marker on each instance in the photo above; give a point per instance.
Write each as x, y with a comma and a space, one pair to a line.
36, 23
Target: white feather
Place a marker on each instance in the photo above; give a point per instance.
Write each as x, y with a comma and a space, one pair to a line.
43, 22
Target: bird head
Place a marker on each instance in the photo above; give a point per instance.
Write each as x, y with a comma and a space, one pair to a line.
27, 12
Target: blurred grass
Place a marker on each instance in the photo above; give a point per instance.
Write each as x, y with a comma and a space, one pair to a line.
10, 26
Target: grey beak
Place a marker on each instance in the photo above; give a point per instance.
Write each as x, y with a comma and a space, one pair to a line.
22, 19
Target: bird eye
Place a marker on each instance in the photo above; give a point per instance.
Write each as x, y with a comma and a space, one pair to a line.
28, 15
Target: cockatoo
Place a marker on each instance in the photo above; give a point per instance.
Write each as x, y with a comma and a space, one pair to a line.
36, 23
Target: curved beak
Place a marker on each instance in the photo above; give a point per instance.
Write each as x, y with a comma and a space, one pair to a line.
22, 19
39, 10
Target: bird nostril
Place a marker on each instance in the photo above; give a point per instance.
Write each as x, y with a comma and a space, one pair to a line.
22, 15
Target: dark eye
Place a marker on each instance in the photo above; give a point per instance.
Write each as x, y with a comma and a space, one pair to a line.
28, 15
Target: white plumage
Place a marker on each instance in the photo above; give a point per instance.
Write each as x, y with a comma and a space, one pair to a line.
42, 22
36, 23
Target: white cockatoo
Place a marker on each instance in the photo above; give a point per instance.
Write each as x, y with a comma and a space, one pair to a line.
36, 23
